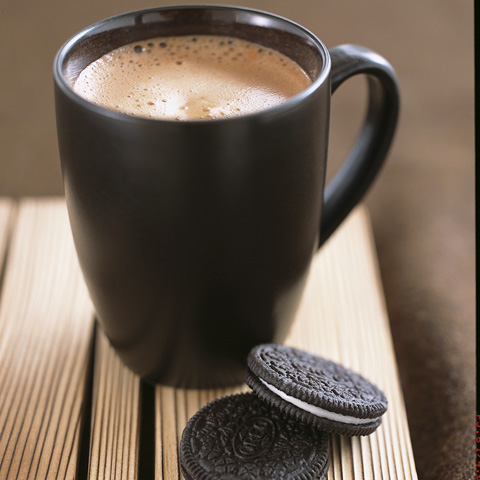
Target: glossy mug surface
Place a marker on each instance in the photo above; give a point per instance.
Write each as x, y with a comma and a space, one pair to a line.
195, 236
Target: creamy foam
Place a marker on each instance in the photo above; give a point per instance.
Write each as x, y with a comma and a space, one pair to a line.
191, 78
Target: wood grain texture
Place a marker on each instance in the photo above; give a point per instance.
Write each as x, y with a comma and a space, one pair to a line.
342, 317
114, 444
45, 332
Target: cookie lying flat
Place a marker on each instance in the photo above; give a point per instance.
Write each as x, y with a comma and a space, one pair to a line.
241, 437
314, 390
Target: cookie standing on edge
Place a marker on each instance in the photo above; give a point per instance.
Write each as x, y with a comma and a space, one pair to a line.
314, 390
241, 437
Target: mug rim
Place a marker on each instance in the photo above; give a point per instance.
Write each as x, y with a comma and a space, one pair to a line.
66, 87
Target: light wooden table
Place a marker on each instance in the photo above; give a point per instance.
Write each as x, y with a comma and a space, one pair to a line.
69, 409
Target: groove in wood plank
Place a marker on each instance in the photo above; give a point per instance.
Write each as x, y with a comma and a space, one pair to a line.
342, 317
45, 327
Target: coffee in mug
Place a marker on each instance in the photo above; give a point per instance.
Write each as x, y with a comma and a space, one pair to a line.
195, 237
194, 77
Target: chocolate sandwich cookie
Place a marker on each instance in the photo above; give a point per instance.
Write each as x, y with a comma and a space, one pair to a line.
314, 390
241, 437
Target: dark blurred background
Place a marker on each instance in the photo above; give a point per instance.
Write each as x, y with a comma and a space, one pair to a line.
422, 205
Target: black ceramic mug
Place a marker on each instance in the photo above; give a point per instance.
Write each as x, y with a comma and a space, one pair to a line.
195, 237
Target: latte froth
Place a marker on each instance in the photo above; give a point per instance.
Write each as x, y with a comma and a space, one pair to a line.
191, 78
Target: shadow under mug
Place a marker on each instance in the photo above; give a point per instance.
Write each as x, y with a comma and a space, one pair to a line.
195, 237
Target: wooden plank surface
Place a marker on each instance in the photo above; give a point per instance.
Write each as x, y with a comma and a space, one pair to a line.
115, 417
343, 318
45, 332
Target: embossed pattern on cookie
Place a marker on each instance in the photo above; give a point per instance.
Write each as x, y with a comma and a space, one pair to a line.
241, 437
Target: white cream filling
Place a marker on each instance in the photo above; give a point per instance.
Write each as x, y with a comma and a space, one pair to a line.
319, 412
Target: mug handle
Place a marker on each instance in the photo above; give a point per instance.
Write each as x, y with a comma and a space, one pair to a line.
363, 163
